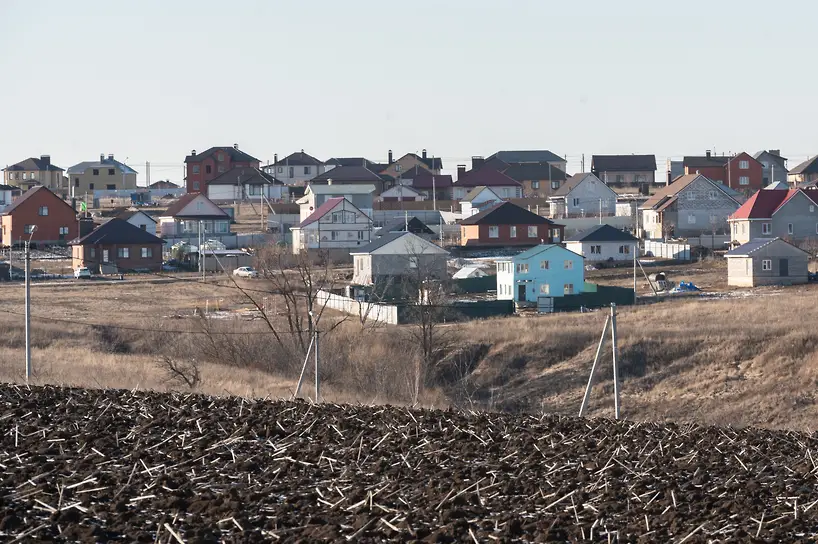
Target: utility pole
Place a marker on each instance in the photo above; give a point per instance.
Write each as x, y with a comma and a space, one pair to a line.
610, 322
583, 162
317, 363
28, 304
147, 174
600, 211
635, 252
615, 365
434, 193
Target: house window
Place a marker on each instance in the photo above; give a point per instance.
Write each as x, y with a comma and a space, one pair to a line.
522, 268
555, 185
811, 209
292, 171
766, 228
506, 192
532, 231
143, 227
535, 185
25, 174
744, 180
195, 185
63, 231
105, 255
625, 250
95, 172
568, 265
568, 289
711, 195
147, 252
110, 187
576, 202
336, 217
494, 232
596, 249
620, 178
360, 235
222, 227
334, 235
123, 252
28, 229
43, 210
544, 290
744, 228
220, 157
90, 186
208, 169
691, 219
221, 169
743, 165
306, 170
111, 171
691, 195
280, 169
641, 178
92, 253
789, 228
413, 262
765, 165
543, 265
766, 264
512, 231
195, 168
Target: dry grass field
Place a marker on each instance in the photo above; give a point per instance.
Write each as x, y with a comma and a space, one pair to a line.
732, 356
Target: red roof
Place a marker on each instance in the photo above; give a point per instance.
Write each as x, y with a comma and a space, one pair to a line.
322, 210
766, 202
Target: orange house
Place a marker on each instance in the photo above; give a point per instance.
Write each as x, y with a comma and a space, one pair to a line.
55, 220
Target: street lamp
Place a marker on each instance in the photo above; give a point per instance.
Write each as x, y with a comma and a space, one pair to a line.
28, 303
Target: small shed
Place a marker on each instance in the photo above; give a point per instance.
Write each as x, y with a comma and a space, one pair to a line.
766, 261
469, 271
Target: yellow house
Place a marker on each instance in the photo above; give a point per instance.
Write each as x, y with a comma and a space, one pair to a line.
32, 172
103, 175
411, 160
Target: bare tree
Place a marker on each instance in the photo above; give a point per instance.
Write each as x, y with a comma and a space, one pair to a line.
181, 371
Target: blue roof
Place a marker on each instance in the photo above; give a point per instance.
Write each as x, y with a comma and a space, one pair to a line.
753, 246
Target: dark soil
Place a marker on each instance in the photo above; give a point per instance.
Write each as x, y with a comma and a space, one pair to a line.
98, 466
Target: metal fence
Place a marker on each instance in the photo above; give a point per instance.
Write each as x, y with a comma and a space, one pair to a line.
667, 250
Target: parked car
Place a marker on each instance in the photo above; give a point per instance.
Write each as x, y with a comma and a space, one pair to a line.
245, 272
82, 273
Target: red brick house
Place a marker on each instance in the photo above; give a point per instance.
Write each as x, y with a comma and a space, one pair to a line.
203, 167
741, 172
55, 219
117, 247
507, 224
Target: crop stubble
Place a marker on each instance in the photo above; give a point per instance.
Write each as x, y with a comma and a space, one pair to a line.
94, 465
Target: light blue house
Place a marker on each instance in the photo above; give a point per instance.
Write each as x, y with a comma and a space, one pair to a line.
548, 270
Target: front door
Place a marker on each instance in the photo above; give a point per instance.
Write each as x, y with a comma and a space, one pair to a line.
783, 268
521, 293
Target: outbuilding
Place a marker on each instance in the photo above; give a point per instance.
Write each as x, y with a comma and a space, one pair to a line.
604, 243
766, 261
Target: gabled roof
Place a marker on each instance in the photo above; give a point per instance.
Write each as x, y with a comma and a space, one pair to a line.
704, 162
176, 208
477, 190
416, 226
299, 158
353, 161
347, 173
623, 163
103, 163
529, 171
757, 156
380, 242
751, 247
8, 187
412, 173
602, 233
433, 163
30, 193
118, 231
540, 155
486, 176
574, 182
244, 175
662, 196
762, 204
324, 209
351, 189
536, 250
776, 186
164, 184
235, 155
506, 213
809, 166
127, 214
428, 180
402, 189
32, 163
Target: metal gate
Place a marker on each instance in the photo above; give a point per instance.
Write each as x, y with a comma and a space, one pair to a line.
545, 305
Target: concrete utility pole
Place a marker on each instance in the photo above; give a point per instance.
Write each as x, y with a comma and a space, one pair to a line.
317, 364
28, 304
610, 322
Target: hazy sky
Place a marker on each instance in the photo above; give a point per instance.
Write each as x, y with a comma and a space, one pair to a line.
153, 79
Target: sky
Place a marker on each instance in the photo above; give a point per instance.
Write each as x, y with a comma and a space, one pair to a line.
152, 80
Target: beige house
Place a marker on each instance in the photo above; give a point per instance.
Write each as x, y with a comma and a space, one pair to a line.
32, 172
411, 160
766, 261
102, 175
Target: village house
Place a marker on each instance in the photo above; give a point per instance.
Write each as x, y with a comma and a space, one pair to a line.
806, 172
740, 172
478, 199
624, 169
503, 186
334, 162
767, 261
583, 195
361, 196
7, 195
538, 156
32, 172
690, 206
411, 160
163, 184
791, 214
773, 166
402, 193
547, 270
336, 224
408, 224
201, 168
191, 212
139, 219
507, 224
243, 183
352, 175
397, 255
604, 243
116, 247
106, 174
41, 216
295, 169
432, 186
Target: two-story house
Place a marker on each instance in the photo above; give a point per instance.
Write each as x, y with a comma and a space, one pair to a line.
583, 195
242, 183
41, 216
773, 166
32, 172
504, 186
806, 172
791, 214
7, 195
478, 199
361, 196
740, 172
200, 168
507, 224
432, 186
190, 213
106, 174
351, 175
604, 243
624, 169
547, 270
396, 255
336, 224
296, 168
542, 156
396, 168
690, 206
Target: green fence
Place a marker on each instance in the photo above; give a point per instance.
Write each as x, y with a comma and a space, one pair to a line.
476, 285
461, 311
603, 296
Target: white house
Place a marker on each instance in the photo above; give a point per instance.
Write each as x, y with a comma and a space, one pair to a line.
296, 168
192, 211
244, 183
336, 224
547, 270
396, 255
361, 196
583, 195
477, 200
139, 219
604, 243
7, 193
402, 193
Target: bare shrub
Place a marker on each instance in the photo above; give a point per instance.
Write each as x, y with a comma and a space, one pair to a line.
181, 372
110, 340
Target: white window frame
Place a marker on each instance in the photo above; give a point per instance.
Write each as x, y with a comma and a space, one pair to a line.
743, 165
42, 211
545, 289
691, 195
766, 228
123, 253
512, 231
691, 219
334, 235
64, 231
568, 265
544, 265
711, 195
744, 180
789, 228
494, 231
147, 252
522, 268
535, 184
530, 231
767, 265
568, 289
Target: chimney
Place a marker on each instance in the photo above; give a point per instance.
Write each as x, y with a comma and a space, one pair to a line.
477, 162
775, 152
46, 159
101, 157
461, 171
390, 157
275, 158
235, 146
329, 181
110, 156
193, 152
707, 153
423, 154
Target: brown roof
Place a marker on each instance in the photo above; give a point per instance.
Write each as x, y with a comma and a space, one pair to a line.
670, 191
183, 201
28, 194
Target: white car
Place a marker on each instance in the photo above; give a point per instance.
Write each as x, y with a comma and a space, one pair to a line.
245, 272
82, 273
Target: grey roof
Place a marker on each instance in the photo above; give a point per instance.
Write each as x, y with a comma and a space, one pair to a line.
809, 166
602, 233
244, 175
118, 231
574, 181
776, 155
506, 213
538, 155
416, 226
8, 188
33, 163
352, 189
127, 214
348, 173
532, 171
299, 158
105, 163
379, 242
352, 161
751, 247
236, 155
623, 163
